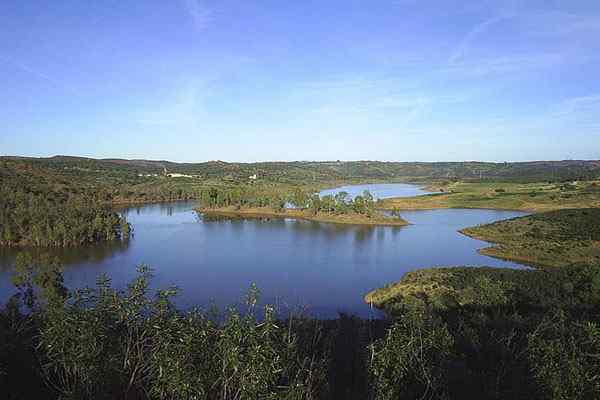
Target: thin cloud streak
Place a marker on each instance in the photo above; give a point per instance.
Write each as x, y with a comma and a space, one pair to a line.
464, 46
181, 111
199, 13
36, 73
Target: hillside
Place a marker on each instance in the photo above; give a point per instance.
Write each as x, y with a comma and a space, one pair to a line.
550, 239
289, 172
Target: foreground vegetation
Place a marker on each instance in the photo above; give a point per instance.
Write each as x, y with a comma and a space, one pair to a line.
536, 197
500, 333
550, 239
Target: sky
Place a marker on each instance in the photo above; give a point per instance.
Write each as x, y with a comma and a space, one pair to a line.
265, 80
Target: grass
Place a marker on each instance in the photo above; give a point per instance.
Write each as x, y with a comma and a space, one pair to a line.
534, 197
268, 212
549, 239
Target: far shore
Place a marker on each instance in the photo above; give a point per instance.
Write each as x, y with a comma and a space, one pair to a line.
534, 197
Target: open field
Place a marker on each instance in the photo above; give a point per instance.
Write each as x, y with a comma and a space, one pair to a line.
549, 239
534, 197
268, 212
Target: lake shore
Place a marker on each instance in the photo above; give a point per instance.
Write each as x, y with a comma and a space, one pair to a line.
267, 212
551, 239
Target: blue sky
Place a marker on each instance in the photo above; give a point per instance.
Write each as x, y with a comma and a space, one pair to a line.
397, 80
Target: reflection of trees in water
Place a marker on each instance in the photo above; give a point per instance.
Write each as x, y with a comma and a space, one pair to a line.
364, 234
167, 209
68, 256
324, 230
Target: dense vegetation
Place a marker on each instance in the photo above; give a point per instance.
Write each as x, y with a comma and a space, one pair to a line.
490, 333
113, 185
36, 215
554, 238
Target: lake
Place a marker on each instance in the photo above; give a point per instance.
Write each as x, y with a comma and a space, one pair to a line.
325, 268
378, 190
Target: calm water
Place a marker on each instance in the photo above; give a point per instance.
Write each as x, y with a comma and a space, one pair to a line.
324, 267
379, 190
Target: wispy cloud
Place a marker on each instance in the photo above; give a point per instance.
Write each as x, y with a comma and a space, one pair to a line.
200, 14
37, 73
560, 23
181, 109
579, 104
579, 112
505, 64
361, 101
465, 44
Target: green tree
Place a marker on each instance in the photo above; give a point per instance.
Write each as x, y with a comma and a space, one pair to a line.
412, 360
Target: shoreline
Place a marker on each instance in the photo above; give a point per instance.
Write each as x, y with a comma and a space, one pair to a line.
495, 249
347, 219
145, 202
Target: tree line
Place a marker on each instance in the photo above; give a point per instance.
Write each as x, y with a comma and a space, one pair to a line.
50, 220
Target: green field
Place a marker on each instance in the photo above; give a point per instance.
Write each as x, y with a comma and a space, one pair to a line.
535, 197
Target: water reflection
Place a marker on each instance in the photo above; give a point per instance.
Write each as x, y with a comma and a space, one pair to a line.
69, 257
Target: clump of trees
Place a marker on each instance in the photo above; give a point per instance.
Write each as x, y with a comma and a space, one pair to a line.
341, 204
242, 196
239, 197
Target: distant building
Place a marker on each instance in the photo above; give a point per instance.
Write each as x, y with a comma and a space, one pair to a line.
253, 177
176, 175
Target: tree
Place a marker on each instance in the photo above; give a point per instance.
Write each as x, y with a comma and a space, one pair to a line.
412, 360
341, 202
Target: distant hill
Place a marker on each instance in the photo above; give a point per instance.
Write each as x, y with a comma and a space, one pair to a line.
340, 170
